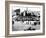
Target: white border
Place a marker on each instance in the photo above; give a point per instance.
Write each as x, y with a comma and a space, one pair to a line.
24, 32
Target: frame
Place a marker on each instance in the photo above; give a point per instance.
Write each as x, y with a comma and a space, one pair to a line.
7, 16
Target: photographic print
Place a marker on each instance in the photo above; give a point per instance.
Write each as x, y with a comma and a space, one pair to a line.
24, 18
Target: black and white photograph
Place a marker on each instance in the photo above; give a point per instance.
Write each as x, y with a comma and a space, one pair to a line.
25, 18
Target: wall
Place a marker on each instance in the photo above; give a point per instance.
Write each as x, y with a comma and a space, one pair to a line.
2, 19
